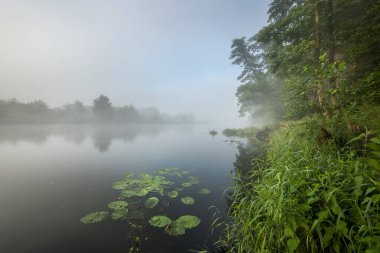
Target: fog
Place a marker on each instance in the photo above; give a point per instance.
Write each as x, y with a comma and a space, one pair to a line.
170, 54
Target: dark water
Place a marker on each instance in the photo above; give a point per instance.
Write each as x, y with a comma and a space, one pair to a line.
51, 176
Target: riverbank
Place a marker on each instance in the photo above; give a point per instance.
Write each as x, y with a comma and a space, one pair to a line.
317, 188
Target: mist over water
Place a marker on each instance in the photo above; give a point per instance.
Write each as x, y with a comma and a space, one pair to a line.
53, 175
92, 90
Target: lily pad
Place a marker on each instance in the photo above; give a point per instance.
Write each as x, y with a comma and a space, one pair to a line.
151, 202
175, 228
116, 205
204, 191
189, 221
188, 200
94, 217
136, 215
194, 180
160, 221
119, 214
172, 194
186, 184
120, 185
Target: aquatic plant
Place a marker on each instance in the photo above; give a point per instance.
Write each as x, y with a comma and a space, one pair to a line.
160, 221
172, 194
116, 205
186, 184
175, 229
193, 180
204, 191
119, 214
94, 217
189, 221
151, 202
179, 226
188, 200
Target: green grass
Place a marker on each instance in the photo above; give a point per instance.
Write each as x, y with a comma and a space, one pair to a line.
312, 194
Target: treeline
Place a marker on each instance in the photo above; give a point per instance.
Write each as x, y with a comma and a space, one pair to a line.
316, 56
100, 112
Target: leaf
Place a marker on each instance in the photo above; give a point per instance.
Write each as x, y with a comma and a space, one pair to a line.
189, 221
119, 214
175, 229
186, 184
94, 217
204, 191
188, 200
369, 190
293, 244
116, 205
120, 185
328, 235
160, 221
151, 202
172, 194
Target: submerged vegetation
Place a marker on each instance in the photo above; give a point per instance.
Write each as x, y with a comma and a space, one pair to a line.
315, 187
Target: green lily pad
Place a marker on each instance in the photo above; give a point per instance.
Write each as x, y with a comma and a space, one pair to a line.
160, 221
119, 214
128, 193
94, 217
172, 194
120, 185
175, 229
189, 221
151, 202
116, 205
204, 191
136, 215
142, 192
186, 184
188, 200
194, 180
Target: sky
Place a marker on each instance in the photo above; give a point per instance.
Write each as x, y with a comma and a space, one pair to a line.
171, 54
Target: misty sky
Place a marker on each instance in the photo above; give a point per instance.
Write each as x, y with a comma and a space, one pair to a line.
173, 54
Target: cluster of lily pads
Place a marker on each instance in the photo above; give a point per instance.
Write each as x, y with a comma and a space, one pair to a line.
140, 186
176, 227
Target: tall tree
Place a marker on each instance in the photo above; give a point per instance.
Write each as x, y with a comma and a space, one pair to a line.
102, 108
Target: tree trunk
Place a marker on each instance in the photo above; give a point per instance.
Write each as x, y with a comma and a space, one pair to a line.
317, 54
333, 82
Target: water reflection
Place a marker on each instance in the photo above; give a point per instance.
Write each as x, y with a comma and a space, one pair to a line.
101, 136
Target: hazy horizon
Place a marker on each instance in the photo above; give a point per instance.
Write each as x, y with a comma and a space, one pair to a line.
173, 55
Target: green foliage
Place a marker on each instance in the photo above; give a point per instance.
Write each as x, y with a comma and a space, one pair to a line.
116, 205
325, 51
94, 217
172, 194
204, 191
151, 202
308, 197
160, 221
188, 200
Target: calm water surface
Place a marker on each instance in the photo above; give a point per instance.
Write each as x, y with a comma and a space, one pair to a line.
51, 176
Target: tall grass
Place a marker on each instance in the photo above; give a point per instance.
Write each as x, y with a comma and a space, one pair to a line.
308, 196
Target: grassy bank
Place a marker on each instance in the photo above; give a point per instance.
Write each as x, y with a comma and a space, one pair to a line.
318, 189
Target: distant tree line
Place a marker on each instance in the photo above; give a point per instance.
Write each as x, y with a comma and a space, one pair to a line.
100, 112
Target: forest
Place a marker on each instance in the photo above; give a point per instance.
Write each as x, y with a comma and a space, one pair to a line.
315, 187
101, 112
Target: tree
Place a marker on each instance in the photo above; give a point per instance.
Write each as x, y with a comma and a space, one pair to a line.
102, 108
